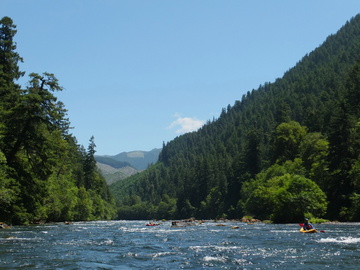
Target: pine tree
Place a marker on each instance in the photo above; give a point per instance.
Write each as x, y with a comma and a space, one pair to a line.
9, 59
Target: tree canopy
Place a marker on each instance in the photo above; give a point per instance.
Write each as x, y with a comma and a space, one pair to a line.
44, 174
309, 117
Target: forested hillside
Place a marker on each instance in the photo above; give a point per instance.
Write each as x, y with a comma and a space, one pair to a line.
44, 174
286, 150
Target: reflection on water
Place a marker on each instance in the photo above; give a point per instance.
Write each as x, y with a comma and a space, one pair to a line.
132, 245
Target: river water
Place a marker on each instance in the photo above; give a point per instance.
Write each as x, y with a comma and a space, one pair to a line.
132, 245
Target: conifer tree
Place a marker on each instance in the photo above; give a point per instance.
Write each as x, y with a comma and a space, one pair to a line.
42, 171
9, 59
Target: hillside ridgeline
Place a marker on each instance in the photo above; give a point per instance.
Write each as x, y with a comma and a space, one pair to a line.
125, 164
286, 150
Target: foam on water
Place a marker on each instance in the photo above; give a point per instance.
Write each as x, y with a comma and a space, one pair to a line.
344, 240
159, 254
215, 248
107, 245
215, 259
13, 239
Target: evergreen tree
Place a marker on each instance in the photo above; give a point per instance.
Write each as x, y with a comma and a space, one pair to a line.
310, 116
90, 165
9, 69
341, 161
42, 171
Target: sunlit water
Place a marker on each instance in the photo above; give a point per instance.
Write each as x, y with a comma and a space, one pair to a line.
132, 245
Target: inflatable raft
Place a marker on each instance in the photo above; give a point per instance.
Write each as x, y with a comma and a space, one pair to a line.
308, 231
152, 224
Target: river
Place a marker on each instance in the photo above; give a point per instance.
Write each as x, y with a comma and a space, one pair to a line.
132, 245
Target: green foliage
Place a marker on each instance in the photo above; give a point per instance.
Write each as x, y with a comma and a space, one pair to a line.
314, 150
44, 174
287, 143
272, 199
288, 138
354, 209
9, 190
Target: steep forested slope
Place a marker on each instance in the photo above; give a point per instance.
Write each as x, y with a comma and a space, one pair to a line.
44, 174
300, 129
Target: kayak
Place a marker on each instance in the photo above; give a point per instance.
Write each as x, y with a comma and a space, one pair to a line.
308, 231
152, 224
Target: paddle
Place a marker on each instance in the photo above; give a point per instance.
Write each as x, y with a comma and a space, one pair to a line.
302, 225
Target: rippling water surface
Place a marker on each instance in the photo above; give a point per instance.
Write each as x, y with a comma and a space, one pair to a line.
132, 245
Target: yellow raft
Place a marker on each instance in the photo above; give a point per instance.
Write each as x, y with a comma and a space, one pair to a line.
308, 231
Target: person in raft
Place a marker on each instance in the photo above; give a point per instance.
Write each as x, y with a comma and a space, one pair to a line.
307, 225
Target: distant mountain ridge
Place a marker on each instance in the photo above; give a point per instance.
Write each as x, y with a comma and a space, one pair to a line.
112, 162
140, 160
125, 164
113, 175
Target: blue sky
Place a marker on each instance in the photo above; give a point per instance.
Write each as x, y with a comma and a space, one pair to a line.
140, 73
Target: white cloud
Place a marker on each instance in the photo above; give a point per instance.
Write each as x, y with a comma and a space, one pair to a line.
186, 124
